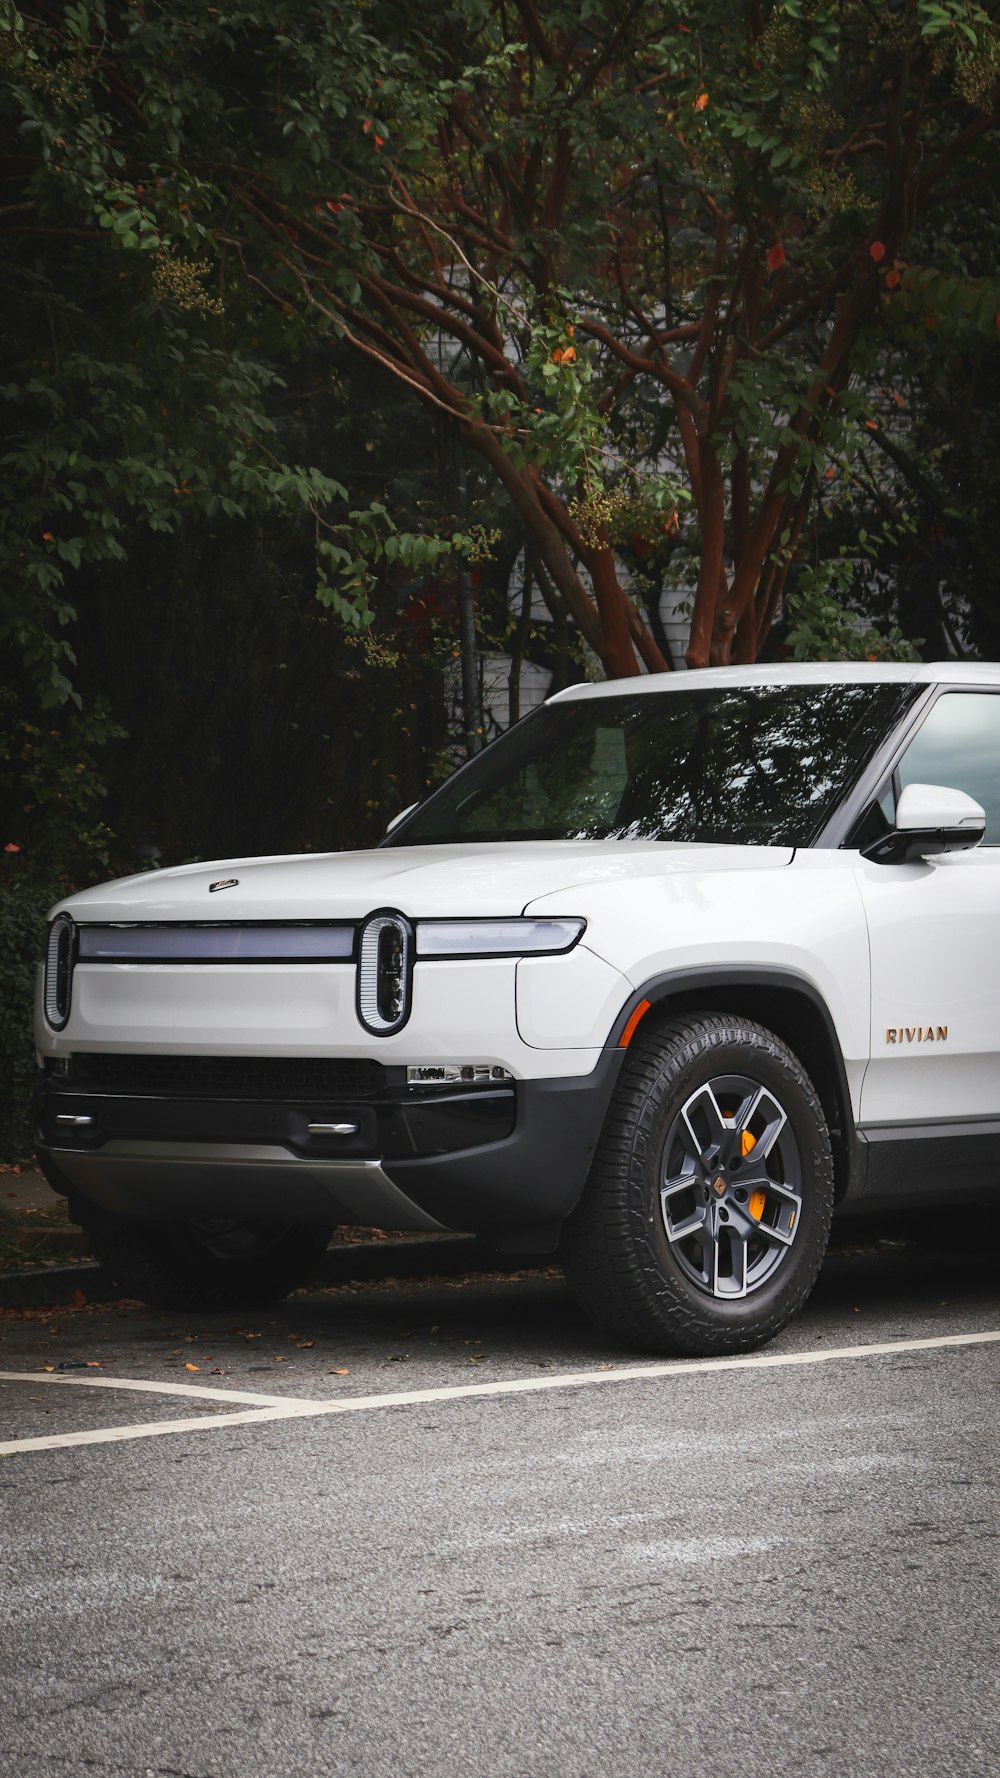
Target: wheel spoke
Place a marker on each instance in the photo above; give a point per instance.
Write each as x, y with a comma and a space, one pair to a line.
766, 1105
781, 1232
734, 1282
679, 1228
705, 1123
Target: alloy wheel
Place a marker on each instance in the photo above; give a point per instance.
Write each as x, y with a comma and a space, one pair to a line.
731, 1190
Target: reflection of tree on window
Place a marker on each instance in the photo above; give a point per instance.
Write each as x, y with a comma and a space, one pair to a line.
753, 765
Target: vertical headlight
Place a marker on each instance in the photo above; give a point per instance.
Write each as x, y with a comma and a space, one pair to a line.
385, 970
59, 971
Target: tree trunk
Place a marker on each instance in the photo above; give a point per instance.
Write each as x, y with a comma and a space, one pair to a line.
607, 621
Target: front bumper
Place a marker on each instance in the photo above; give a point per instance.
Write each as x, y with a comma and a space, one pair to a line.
503, 1162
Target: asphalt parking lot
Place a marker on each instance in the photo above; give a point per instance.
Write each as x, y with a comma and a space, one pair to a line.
442, 1528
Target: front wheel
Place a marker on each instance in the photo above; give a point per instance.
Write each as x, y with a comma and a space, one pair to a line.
204, 1265
707, 1212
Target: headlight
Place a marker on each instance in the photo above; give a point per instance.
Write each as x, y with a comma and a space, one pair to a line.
59, 971
497, 938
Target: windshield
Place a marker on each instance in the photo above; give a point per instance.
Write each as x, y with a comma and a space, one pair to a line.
760, 765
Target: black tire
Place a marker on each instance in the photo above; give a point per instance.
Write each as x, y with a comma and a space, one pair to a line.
223, 1265
635, 1255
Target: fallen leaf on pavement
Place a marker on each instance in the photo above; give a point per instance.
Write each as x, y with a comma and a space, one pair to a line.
192, 1367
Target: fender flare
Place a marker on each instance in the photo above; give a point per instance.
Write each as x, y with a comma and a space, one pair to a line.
714, 980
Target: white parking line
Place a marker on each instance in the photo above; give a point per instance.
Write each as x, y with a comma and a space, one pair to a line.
83, 1380
301, 1407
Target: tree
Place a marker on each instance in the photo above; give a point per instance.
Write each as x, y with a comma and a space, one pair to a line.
630, 255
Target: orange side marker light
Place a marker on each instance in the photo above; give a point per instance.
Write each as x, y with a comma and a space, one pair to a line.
629, 1032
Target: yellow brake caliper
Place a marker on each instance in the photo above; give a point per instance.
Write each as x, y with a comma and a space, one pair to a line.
757, 1198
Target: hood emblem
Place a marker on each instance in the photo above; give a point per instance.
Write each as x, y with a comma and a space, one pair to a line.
223, 883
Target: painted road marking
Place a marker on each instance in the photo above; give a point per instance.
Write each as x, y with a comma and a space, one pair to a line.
302, 1407
83, 1380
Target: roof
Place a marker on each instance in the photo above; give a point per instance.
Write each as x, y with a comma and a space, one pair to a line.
959, 673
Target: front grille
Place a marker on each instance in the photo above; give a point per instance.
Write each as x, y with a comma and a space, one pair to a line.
225, 1077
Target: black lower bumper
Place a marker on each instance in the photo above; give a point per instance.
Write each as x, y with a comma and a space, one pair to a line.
506, 1162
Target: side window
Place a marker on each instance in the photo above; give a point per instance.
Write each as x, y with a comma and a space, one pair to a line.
959, 745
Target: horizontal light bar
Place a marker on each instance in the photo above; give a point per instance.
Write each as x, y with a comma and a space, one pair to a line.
230, 943
521, 937
449, 1074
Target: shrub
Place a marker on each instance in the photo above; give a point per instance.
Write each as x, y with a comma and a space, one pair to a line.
52, 841
24, 900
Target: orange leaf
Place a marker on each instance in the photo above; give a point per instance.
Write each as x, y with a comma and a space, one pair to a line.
892, 278
700, 102
775, 256
192, 1367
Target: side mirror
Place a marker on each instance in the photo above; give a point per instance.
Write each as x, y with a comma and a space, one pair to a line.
930, 819
401, 817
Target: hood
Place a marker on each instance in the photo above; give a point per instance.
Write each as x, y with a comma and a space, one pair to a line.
419, 881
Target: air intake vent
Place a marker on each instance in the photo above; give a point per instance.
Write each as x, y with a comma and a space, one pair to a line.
319, 1079
59, 971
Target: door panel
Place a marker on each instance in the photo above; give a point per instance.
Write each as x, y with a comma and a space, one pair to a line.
934, 929
935, 946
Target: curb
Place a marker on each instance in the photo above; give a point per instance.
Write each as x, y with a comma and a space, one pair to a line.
362, 1262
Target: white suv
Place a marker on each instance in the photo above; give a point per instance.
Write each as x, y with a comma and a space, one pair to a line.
666, 972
